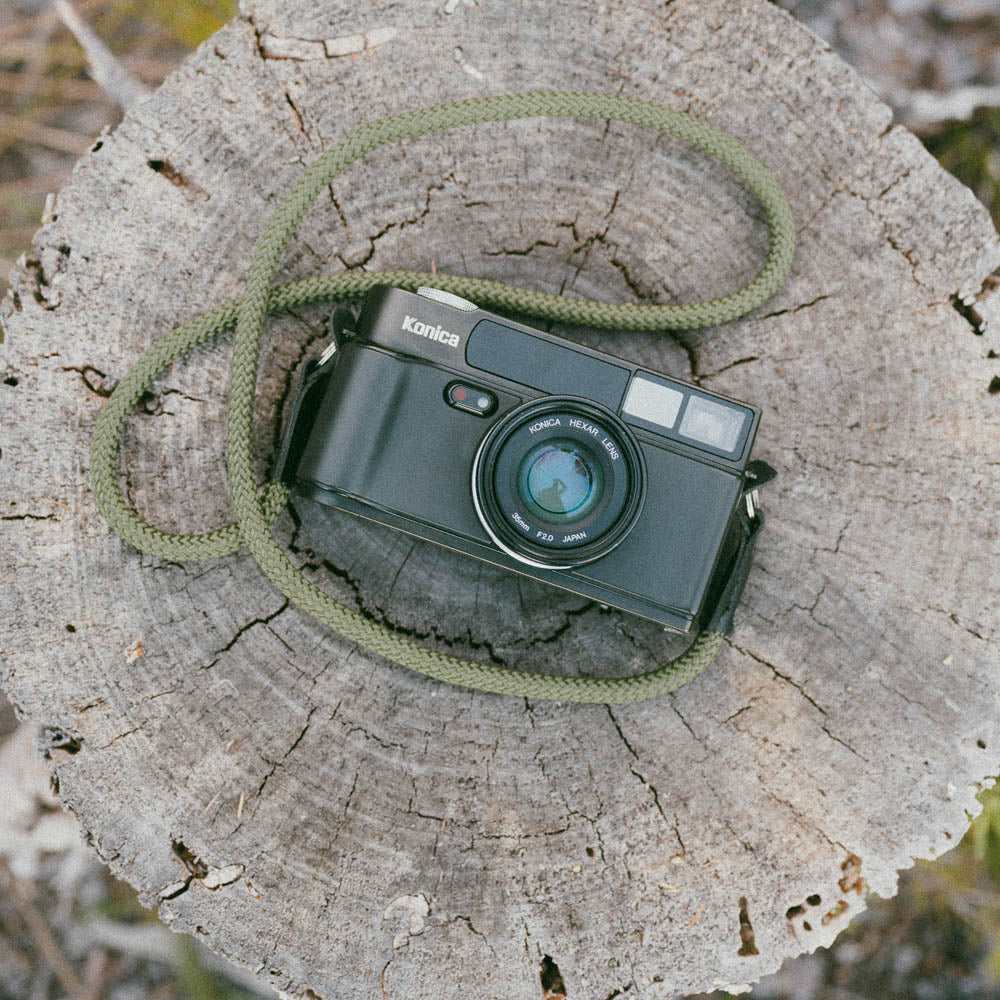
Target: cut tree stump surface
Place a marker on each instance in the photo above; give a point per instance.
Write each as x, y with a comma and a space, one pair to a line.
348, 828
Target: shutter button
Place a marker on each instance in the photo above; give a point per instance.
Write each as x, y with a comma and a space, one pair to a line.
447, 298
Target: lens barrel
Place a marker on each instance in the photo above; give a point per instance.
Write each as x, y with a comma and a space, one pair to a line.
558, 482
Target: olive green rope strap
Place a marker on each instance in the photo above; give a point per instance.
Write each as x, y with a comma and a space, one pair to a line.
255, 513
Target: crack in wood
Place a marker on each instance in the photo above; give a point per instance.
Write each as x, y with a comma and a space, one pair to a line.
784, 312
777, 673
97, 385
748, 944
265, 620
276, 764
179, 180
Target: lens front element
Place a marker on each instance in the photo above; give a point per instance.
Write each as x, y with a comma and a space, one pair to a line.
558, 482
560, 479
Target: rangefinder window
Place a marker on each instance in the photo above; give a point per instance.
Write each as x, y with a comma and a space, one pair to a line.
712, 423
654, 402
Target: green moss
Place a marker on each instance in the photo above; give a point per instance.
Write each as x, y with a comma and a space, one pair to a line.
971, 151
984, 834
198, 983
186, 23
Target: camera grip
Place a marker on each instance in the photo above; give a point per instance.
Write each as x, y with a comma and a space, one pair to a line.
295, 435
721, 619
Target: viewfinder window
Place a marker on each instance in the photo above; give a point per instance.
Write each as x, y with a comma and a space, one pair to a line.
712, 423
653, 401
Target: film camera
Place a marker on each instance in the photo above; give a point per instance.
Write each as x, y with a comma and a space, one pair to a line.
532, 453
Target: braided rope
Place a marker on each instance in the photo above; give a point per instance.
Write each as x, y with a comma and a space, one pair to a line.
255, 514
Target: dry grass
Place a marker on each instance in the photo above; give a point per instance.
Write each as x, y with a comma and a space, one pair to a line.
50, 109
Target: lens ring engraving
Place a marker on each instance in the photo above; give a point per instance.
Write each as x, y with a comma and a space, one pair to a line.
592, 467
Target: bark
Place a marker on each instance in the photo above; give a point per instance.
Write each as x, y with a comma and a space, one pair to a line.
347, 828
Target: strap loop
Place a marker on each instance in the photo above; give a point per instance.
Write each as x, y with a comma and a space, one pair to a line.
255, 514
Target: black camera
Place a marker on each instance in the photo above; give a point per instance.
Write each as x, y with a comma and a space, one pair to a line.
532, 453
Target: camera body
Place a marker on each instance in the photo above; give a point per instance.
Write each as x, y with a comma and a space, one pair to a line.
527, 451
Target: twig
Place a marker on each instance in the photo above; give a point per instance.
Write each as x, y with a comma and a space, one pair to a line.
41, 933
33, 69
28, 24
149, 941
110, 74
25, 186
17, 236
67, 55
95, 973
45, 135
69, 90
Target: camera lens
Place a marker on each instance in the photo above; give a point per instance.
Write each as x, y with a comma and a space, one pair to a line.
558, 482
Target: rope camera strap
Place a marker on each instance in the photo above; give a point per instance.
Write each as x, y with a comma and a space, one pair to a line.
255, 512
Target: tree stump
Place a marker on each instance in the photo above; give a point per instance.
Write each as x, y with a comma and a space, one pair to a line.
347, 828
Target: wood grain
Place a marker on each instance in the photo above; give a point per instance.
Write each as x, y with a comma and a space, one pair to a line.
349, 829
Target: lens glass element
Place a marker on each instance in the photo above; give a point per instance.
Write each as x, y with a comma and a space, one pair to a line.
561, 480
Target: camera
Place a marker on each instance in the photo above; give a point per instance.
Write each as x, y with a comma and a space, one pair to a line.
515, 446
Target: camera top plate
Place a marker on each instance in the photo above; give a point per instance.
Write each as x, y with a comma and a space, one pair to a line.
701, 423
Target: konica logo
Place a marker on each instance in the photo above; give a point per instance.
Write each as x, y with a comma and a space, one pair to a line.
413, 325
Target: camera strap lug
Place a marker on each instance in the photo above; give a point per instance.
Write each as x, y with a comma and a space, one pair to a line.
338, 325
758, 473
309, 392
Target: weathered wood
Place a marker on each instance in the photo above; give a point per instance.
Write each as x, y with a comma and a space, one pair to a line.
350, 829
